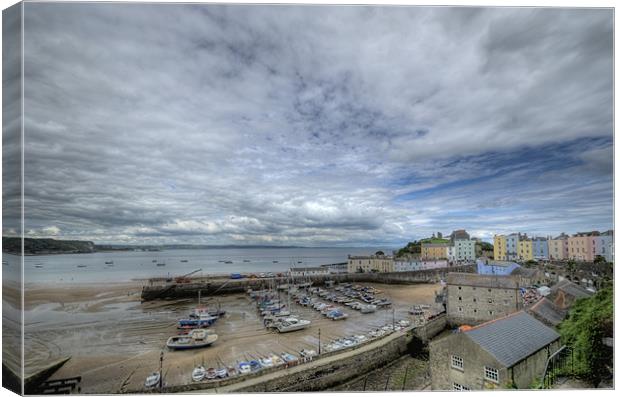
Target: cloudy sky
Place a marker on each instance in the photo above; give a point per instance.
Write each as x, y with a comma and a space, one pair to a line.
314, 125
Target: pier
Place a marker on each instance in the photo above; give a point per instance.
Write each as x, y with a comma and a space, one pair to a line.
160, 288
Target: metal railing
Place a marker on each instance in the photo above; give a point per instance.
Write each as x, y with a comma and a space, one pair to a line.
558, 364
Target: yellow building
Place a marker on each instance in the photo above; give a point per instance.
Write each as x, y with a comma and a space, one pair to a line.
435, 250
378, 263
499, 247
526, 250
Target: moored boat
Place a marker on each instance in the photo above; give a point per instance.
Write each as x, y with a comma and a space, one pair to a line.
199, 373
290, 325
152, 380
196, 339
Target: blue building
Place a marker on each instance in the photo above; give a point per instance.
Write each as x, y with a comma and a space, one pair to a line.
496, 268
540, 248
512, 246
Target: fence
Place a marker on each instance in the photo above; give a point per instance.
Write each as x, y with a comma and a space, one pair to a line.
559, 363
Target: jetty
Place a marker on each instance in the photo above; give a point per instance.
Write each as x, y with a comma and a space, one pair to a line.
170, 288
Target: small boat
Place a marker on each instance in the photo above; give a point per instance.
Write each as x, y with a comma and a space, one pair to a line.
38, 265
152, 379
307, 353
232, 371
368, 308
81, 265
229, 262
275, 261
199, 373
109, 262
337, 315
266, 362
211, 373
161, 264
290, 325
221, 373
255, 365
244, 368
277, 360
288, 358
196, 339
246, 260
183, 260
204, 320
154, 260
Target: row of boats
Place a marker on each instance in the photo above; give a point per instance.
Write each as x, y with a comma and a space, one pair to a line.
276, 314
192, 332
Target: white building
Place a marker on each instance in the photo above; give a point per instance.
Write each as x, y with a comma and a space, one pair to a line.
308, 271
415, 265
464, 250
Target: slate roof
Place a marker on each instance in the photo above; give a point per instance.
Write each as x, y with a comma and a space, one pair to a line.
524, 271
481, 280
571, 288
512, 338
547, 312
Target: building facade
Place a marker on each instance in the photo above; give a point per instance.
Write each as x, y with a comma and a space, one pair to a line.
308, 271
512, 247
525, 249
378, 263
603, 245
464, 250
581, 246
415, 265
499, 247
435, 250
558, 247
540, 248
502, 354
474, 298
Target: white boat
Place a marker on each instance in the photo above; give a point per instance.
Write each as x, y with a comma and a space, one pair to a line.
199, 373
290, 326
266, 362
368, 308
307, 353
152, 379
197, 338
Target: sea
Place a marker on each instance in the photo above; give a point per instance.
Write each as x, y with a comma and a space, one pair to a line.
138, 265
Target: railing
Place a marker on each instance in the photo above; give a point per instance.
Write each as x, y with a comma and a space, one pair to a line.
559, 363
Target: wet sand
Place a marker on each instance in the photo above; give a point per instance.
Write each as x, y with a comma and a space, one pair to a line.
115, 341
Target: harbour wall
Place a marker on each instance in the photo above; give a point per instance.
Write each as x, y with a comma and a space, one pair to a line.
157, 289
330, 369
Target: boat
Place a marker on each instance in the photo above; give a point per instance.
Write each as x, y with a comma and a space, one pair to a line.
184, 260
81, 265
275, 261
38, 265
152, 379
255, 365
232, 371
290, 325
246, 260
277, 360
307, 353
154, 260
109, 262
229, 262
221, 373
266, 362
337, 315
368, 308
196, 339
211, 373
161, 264
199, 373
244, 368
288, 357
203, 320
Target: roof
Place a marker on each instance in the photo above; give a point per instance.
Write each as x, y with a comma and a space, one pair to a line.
524, 271
305, 269
546, 311
512, 338
570, 288
481, 280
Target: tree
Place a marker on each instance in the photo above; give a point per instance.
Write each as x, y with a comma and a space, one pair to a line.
589, 321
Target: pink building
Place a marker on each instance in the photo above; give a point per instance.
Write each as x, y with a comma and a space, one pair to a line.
581, 246
558, 247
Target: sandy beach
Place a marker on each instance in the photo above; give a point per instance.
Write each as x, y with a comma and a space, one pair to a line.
115, 341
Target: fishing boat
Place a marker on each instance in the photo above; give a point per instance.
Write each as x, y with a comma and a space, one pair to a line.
288, 358
337, 315
202, 321
221, 373
109, 262
199, 373
368, 308
211, 373
196, 339
161, 264
244, 368
290, 325
152, 379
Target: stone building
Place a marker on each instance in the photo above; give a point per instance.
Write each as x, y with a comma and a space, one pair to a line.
435, 250
507, 352
475, 298
379, 262
529, 277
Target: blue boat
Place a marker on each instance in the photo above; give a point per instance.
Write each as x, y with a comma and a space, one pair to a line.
200, 322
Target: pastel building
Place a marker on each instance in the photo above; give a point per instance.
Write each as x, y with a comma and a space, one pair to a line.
435, 250
379, 263
603, 245
465, 250
499, 247
512, 247
540, 248
525, 250
416, 265
558, 247
581, 246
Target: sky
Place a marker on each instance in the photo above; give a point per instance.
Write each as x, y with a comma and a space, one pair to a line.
314, 125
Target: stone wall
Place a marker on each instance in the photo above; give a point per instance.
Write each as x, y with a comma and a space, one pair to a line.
474, 305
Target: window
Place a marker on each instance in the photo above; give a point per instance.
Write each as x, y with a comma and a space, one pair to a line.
491, 374
457, 362
460, 299
457, 387
474, 300
460, 309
